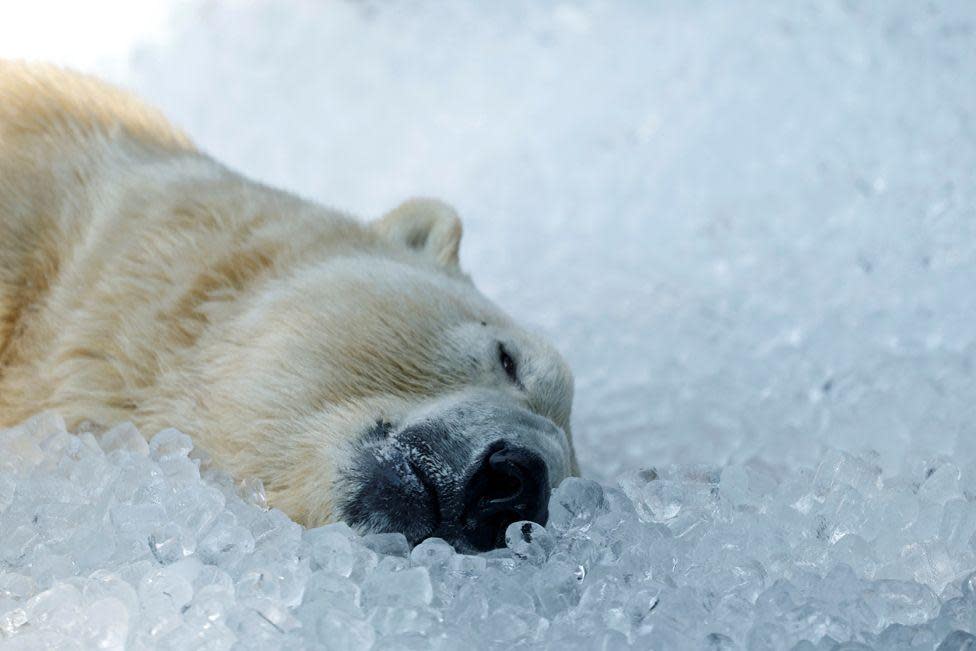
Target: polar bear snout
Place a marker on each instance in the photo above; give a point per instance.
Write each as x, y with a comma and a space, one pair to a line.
462, 472
509, 484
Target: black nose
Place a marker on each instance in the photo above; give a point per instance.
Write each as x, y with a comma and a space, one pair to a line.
510, 484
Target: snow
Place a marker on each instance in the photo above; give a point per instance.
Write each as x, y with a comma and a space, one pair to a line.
751, 229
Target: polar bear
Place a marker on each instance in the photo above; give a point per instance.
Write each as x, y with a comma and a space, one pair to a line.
354, 368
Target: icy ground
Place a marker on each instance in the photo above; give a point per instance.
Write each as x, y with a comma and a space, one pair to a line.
751, 228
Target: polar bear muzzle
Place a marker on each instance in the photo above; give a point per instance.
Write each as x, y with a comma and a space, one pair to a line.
461, 471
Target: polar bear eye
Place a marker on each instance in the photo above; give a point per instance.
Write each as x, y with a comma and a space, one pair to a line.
508, 364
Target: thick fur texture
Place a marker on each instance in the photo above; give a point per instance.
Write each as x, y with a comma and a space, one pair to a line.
142, 281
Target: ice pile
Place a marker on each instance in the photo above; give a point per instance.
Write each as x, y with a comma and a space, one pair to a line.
111, 542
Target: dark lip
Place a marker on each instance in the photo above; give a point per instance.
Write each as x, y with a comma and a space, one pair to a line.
380, 484
430, 489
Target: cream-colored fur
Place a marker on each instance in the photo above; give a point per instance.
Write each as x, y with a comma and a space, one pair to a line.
141, 280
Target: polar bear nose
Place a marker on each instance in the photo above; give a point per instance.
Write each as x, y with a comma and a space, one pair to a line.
510, 484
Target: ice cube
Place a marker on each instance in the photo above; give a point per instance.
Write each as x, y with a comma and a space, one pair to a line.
529, 541
902, 602
557, 586
339, 630
251, 490
195, 508
7, 488
106, 624
388, 586
17, 587
12, 617
225, 544
969, 586
169, 588
125, 437
170, 444
388, 544
102, 584
275, 531
513, 626
327, 590
259, 584
332, 550
387, 620
170, 542
59, 607
434, 553
958, 641
575, 503
47, 567
958, 525
942, 482
134, 522
44, 426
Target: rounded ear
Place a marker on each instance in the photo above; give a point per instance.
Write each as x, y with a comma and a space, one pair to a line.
428, 226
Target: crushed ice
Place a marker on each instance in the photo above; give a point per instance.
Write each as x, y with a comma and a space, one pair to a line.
109, 542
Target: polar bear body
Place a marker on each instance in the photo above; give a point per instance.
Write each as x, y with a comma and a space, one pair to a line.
140, 280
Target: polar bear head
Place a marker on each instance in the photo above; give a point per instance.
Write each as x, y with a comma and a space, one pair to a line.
380, 387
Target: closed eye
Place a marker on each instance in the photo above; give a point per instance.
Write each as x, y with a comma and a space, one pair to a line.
508, 364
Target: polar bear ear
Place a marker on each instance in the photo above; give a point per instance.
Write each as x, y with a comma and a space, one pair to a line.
428, 226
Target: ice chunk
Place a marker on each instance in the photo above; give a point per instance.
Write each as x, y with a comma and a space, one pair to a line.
170, 444
7, 487
106, 624
339, 630
17, 587
391, 621
124, 437
59, 608
839, 467
941, 483
575, 503
389, 585
902, 602
327, 590
195, 509
439, 559
225, 544
169, 588
509, 625
557, 586
252, 491
529, 541
331, 550
102, 584
170, 542
387, 544
958, 641
12, 617
274, 532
